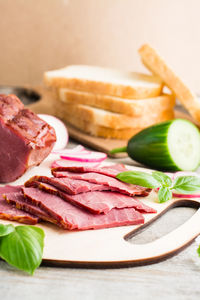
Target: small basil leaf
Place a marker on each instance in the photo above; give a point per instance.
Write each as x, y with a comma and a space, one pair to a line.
198, 250
6, 229
23, 248
164, 194
164, 179
187, 184
139, 178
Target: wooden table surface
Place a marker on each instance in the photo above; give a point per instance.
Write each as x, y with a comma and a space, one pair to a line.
175, 278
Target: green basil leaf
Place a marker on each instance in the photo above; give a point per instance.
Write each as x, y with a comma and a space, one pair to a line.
187, 184
23, 248
139, 178
164, 179
6, 229
198, 250
164, 194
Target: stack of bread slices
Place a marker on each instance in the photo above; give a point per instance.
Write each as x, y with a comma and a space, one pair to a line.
109, 103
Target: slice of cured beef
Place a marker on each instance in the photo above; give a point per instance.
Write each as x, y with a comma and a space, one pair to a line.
97, 202
72, 217
25, 139
111, 170
63, 162
9, 212
68, 185
18, 200
113, 183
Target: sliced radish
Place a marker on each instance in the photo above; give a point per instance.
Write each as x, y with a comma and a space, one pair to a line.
77, 149
65, 163
79, 153
60, 129
85, 157
186, 195
177, 195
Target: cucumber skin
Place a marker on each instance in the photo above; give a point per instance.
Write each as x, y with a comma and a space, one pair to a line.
150, 147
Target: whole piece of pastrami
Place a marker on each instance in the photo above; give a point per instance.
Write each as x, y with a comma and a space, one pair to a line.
25, 139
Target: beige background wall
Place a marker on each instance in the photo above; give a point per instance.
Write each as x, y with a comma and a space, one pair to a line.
39, 35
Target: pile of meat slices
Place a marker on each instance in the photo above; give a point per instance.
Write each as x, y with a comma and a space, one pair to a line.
77, 197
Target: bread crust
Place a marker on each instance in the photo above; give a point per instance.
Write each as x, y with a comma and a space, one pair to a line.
156, 64
129, 107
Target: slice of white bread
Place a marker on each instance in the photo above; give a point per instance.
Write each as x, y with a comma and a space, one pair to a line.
156, 64
98, 130
108, 119
105, 81
129, 107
